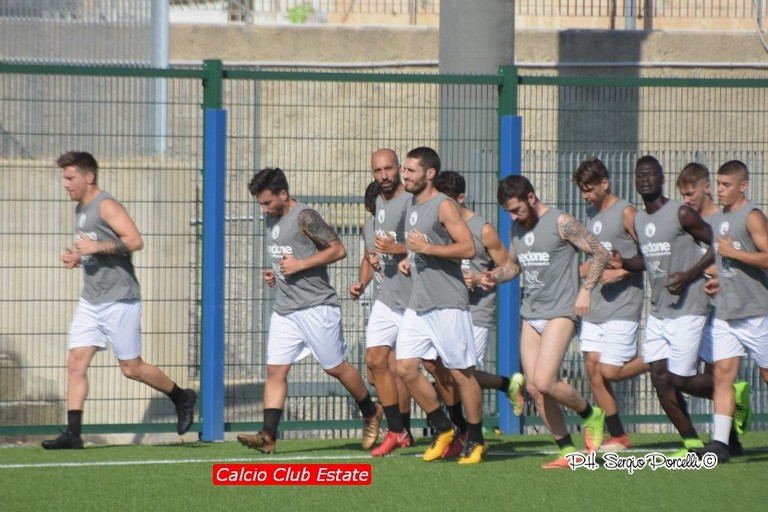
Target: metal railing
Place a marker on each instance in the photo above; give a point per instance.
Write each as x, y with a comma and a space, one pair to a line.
321, 127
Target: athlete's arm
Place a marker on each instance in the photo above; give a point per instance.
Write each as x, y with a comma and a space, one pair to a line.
612, 275
576, 234
117, 218
386, 245
330, 248
757, 226
695, 226
496, 250
462, 247
364, 276
510, 270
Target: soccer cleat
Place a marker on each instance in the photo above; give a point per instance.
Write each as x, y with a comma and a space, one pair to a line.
186, 412
473, 453
734, 445
515, 393
456, 447
743, 413
593, 429
261, 441
615, 444
716, 447
440, 442
392, 441
559, 463
371, 427
735, 449
689, 445
66, 441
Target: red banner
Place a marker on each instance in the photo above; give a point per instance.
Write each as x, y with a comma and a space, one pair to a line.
292, 474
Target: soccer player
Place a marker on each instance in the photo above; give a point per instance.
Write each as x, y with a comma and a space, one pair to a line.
437, 322
489, 254
370, 267
109, 311
389, 307
544, 249
695, 187
306, 317
669, 234
609, 332
741, 301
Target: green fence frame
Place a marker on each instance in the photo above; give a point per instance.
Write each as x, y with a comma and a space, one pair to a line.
213, 76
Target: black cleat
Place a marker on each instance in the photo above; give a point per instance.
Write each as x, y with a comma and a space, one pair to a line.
66, 441
716, 447
186, 412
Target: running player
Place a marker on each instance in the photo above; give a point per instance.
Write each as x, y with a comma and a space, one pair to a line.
609, 332
544, 249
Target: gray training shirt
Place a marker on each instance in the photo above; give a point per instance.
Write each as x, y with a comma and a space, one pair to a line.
668, 248
107, 277
390, 221
622, 300
743, 288
482, 304
305, 289
550, 269
437, 282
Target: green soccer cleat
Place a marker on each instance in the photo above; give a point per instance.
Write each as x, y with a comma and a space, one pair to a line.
515, 393
688, 446
743, 413
593, 429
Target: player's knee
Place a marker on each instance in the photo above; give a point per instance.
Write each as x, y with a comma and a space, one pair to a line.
376, 361
541, 385
75, 369
131, 371
407, 371
680, 382
533, 392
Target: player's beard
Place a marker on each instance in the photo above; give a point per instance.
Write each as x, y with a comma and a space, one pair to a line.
531, 219
416, 187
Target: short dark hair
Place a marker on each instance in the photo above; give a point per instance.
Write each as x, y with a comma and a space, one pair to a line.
590, 172
84, 162
692, 173
517, 187
648, 159
269, 178
371, 193
451, 184
427, 157
734, 167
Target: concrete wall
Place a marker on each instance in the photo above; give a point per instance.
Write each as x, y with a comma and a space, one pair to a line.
351, 45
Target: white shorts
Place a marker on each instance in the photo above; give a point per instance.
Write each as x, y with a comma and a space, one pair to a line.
737, 338
117, 323
316, 330
444, 333
614, 340
383, 325
481, 335
706, 352
677, 340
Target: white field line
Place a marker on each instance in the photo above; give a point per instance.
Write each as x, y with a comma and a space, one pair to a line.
293, 458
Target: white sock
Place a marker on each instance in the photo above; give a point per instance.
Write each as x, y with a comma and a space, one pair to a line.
722, 428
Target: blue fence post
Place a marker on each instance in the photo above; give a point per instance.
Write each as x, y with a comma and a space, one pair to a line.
508, 329
212, 353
